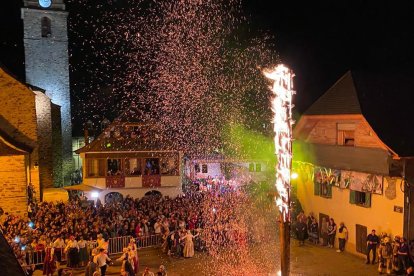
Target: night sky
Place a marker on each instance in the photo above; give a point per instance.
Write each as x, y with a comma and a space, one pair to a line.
319, 40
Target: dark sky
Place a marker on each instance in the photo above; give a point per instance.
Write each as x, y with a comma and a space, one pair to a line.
319, 40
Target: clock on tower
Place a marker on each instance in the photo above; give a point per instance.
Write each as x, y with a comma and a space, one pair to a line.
45, 3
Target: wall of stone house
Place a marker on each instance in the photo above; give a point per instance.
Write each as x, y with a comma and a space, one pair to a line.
44, 134
380, 216
325, 132
18, 108
57, 146
13, 184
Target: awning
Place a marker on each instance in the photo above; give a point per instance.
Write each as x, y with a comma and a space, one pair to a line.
82, 187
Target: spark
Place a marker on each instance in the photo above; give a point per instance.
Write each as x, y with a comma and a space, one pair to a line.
282, 122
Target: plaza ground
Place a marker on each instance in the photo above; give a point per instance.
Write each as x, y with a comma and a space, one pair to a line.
305, 260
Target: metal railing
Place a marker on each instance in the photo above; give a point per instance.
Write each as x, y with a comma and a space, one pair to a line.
115, 246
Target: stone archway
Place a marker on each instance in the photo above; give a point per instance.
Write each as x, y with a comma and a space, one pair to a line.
113, 197
153, 193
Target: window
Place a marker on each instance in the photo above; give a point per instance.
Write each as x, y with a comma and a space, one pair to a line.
169, 166
114, 167
360, 198
197, 168
204, 168
133, 166
258, 167
152, 166
46, 27
95, 167
346, 135
323, 189
251, 167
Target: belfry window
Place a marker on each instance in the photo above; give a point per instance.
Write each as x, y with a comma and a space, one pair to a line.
46, 27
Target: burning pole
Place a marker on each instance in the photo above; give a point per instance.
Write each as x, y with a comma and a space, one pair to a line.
282, 125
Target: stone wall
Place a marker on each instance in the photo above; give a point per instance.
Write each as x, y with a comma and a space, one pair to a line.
13, 192
18, 109
57, 146
44, 134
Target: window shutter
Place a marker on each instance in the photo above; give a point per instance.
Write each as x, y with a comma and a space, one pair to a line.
316, 188
329, 194
351, 196
367, 200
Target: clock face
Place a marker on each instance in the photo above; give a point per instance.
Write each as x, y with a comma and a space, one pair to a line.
45, 3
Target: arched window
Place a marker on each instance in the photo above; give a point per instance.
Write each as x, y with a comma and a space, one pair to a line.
46, 27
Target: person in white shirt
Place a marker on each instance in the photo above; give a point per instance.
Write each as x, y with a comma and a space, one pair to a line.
157, 227
101, 260
59, 246
72, 249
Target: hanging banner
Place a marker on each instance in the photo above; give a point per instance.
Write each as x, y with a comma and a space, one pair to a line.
326, 175
361, 182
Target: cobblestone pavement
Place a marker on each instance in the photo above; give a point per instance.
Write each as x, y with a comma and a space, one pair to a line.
305, 260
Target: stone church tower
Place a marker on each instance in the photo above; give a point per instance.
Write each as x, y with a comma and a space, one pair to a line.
47, 67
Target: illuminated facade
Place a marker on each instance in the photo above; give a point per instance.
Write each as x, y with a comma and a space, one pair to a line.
47, 66
351, 163
29, 133
128, 158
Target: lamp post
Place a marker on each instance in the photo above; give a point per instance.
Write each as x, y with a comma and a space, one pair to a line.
282, 125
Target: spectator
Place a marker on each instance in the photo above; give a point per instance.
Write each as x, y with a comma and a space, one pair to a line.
301, 231
342, 237
331, 233
313, 231
403, 258
372, 241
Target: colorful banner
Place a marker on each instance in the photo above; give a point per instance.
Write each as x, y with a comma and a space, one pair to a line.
326, 175
362, 182
115, 181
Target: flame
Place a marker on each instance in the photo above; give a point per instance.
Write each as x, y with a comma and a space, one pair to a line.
282, 126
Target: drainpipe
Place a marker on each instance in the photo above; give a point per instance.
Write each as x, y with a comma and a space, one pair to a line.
407, 197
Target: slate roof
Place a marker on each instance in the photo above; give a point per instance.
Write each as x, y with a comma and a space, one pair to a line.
13, 136
131, 116
384, 99
341, 98
9, 264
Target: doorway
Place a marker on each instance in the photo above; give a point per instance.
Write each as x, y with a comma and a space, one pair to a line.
361, 238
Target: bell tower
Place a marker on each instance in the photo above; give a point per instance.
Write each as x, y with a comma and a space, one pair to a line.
47, 66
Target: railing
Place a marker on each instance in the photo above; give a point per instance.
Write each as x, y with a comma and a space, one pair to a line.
115, 246
149, 241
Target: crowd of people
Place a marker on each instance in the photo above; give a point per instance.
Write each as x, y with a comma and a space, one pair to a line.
76, 227
391, 255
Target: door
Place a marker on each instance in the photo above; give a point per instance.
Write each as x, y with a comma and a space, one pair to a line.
361, 238
321, 219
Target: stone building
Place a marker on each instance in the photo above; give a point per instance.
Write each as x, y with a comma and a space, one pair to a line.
29, 135
47, 66
353, 152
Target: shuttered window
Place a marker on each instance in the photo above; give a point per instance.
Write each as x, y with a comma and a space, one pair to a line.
360, 198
